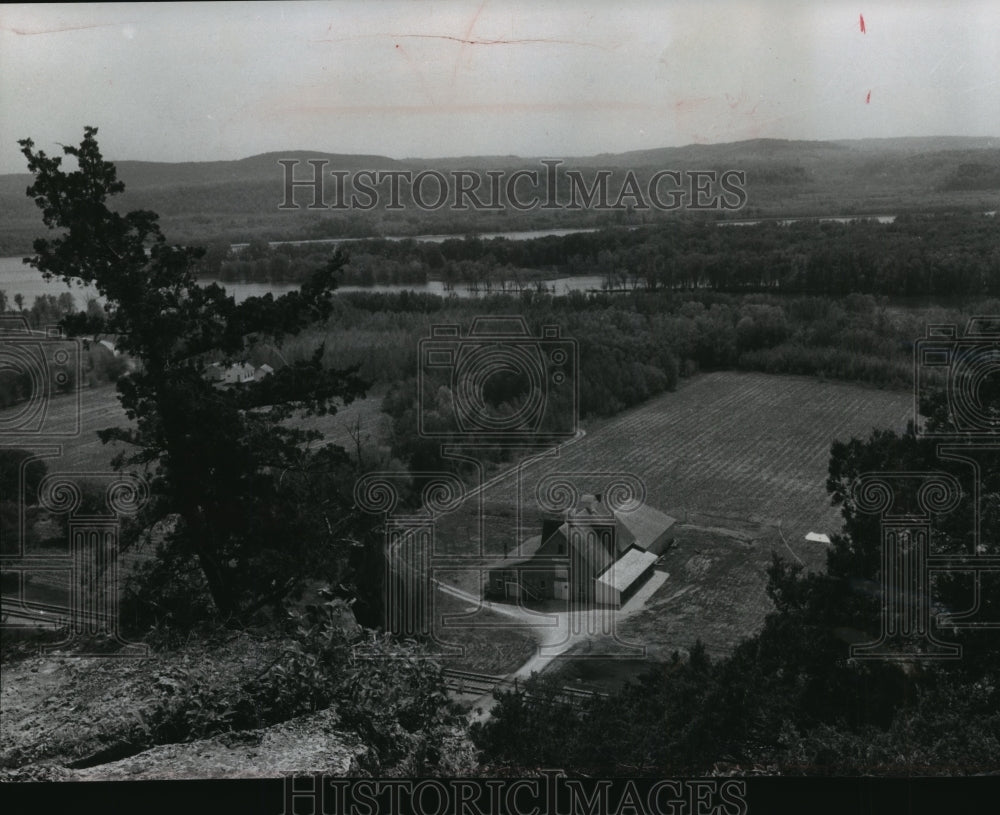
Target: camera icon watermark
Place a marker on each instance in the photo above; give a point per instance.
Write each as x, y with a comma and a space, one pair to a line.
969, 366
409, 580
957, 392
564, 582
91, 506
36, 366
498, 383
596, 553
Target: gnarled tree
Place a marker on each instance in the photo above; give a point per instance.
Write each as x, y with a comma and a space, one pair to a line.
246, 496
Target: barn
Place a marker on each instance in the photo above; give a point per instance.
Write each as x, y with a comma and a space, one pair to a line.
592, 555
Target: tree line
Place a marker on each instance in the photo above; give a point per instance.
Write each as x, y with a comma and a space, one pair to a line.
97, 363
914, 256
631, 348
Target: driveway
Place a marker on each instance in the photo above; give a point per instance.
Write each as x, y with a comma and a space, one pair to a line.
557, 632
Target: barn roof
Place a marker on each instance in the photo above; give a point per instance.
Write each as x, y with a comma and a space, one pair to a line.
627, 569
515, 558
645, 524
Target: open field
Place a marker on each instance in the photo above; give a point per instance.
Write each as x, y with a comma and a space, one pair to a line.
746, 446
83, 453
95, 409
739, 459
99, 408
497, 645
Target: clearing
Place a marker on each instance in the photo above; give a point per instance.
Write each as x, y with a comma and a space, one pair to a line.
739, 459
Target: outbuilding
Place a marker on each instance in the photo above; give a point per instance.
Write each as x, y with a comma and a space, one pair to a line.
624, 577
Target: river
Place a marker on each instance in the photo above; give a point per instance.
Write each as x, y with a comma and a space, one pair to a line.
18, 278
833, 219
525, 235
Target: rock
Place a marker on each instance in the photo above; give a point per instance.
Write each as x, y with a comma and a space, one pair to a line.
307, 744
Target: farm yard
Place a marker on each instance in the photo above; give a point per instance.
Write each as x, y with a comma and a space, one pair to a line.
739, 459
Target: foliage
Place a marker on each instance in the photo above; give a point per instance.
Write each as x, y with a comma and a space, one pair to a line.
226, 470
790, 698
387, 692
20, 475
939, 255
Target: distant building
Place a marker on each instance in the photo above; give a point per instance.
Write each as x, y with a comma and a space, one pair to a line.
594, 555
108, 346
237, 373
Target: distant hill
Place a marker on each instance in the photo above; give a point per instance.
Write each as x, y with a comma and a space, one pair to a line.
238, 200
922, 144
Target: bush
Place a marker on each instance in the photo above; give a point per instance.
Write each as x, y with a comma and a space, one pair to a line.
386, 691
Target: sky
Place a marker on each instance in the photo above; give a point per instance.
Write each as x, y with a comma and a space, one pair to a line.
198, 82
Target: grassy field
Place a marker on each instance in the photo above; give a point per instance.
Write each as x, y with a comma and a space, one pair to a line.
739, 459
748, 447
98, 408
84, 453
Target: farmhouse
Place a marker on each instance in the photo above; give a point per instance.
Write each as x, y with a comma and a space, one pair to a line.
594, 555
238, 372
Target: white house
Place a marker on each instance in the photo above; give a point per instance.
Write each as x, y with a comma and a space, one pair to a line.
238, 372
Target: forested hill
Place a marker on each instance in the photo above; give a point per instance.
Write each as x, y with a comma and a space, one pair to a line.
238, 200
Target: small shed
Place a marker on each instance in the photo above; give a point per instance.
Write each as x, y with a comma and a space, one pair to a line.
623, 577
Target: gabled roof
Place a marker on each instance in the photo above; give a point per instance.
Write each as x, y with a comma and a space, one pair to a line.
516, 558
635, 531
591, 506
627, 569
588, 548
645, 524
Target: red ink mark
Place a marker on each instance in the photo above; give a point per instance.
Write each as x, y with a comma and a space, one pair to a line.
466, 39
861, 17
868, 98
472, 23
690, 105
417, 73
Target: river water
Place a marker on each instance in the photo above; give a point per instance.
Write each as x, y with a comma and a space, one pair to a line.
18, 278
525, 235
